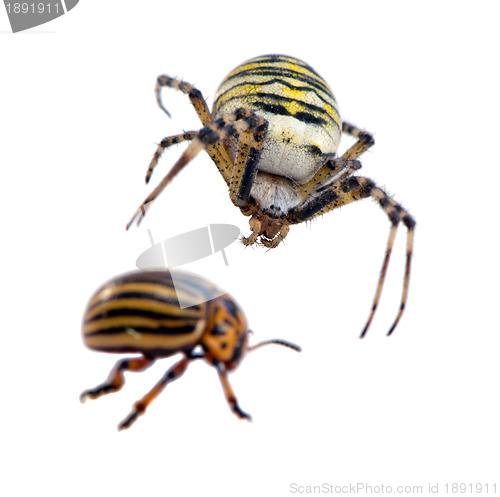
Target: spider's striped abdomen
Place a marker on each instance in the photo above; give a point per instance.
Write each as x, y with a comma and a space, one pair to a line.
140, 311
304, 123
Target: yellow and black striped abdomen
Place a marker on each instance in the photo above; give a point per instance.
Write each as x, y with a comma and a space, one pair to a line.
304, 122
281, 85
140, 312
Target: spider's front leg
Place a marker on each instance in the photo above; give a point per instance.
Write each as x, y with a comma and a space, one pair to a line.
250, 144
243, 123
351, 189
217, 152
166, 143
195, 96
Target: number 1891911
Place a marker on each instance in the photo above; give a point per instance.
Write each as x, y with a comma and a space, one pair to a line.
33, 8
470, 488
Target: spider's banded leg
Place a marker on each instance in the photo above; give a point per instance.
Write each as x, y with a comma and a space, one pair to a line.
116, 379
365, 141
175, 372
165, 143
228, 126
217, 153
350, 190
333, 196
334, 170
396, 213
230, 396
244, 171
244, 142
195, 96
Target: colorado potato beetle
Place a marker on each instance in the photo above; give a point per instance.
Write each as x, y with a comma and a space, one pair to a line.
160, 313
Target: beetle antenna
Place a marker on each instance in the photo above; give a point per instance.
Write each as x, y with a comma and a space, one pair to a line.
277, 342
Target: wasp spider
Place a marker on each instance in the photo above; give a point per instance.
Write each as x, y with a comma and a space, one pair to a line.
273, 134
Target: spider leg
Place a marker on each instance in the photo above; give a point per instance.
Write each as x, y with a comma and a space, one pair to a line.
365, 141
250, 145
139, 408
165, 143
333, 171
236, 123
350, 190
396, 213
217, 152
337, 169
195, 96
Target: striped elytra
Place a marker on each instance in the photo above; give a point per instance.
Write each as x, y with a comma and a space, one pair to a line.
157, 314
140, 311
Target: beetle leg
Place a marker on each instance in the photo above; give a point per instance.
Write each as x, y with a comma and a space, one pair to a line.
116, 378
175, 372
230, 396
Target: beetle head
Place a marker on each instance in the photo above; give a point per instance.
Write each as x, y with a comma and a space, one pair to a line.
226, 337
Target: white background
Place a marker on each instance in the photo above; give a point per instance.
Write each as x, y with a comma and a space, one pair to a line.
79, 124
